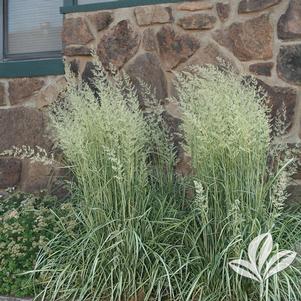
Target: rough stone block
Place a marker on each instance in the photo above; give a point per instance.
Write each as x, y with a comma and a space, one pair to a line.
76, 31
249, 40
194, 6
10, 172
118, 45
197, 21
279, 97
247, 6
223, 11
209, 54
101, 20
289, 63
51, 93
294, 194
149, 40
263, 69
21, 89
77, 51
36, 176
289, 25
2, 94
174, 47
23, 126
146, 67
147, 15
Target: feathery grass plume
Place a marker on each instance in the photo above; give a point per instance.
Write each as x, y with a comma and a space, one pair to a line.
227, 132
127, 245
35, 154
104, 144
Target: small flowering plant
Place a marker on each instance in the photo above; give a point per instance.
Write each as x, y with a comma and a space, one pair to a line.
26, 225
262, 264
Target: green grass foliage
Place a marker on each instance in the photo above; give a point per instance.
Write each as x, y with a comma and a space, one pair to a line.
139, 236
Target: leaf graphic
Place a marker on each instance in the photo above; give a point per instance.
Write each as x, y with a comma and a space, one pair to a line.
284, 258
253, 247
265, 251
246, 269
275, 258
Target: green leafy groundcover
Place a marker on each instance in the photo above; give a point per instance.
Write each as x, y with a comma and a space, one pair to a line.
27, 224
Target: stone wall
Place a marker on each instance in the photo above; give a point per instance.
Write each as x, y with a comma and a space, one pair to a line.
23, 122
259, 37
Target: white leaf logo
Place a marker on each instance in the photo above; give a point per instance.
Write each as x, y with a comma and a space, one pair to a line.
259, 251
265, 251
246, 269
279, 262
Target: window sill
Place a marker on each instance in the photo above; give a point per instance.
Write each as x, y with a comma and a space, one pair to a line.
111, 5
31, 68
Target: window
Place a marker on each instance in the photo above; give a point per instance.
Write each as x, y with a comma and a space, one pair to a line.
31, 29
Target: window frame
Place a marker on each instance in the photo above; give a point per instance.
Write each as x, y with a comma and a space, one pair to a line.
30, 64
72, 6
20, 56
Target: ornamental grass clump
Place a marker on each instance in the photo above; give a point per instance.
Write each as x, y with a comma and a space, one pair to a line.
227, 131
142, 232
240, 179
126, 245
